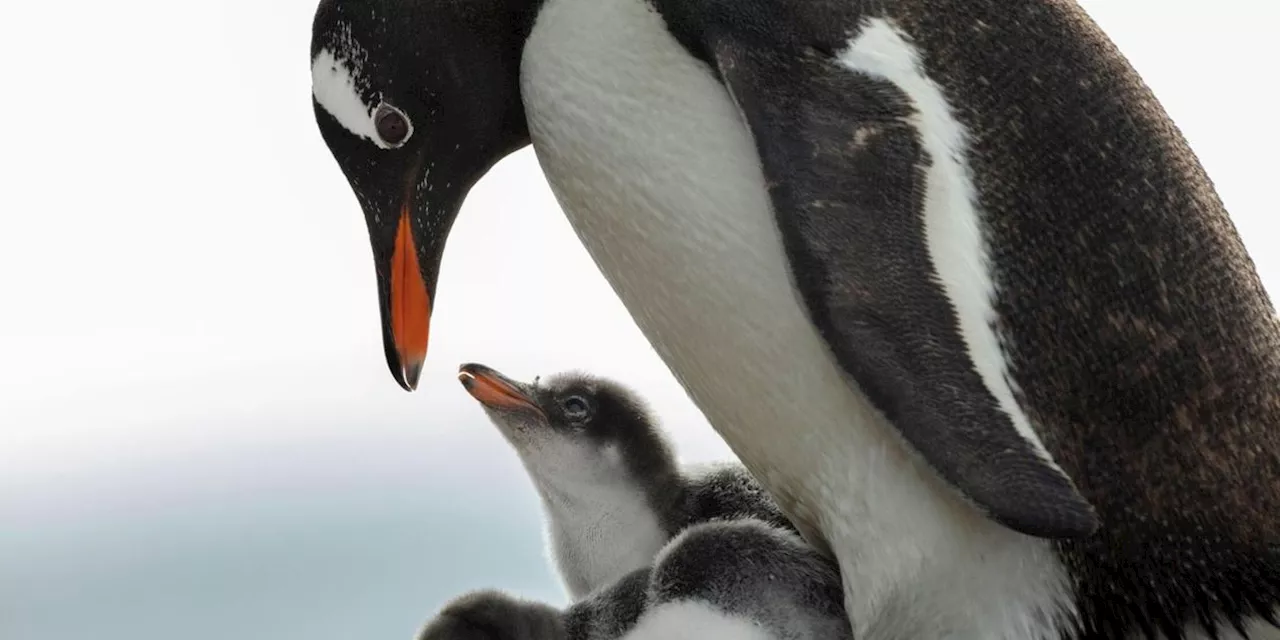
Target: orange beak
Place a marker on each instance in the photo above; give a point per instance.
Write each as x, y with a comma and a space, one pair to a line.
494, 390
410, 304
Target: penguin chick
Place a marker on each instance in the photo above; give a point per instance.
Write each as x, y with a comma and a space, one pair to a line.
728, 580
743, 580
612, 492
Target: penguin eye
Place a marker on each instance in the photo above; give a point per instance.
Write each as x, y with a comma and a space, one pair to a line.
575, 407
392, 125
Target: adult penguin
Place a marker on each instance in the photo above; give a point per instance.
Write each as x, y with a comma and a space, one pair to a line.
942, 273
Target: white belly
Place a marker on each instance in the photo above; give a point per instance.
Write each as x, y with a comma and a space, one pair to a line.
647, 156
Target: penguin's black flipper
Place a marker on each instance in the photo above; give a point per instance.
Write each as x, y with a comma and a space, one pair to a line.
847, 162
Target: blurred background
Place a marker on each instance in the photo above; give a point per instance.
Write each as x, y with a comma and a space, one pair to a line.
198, 433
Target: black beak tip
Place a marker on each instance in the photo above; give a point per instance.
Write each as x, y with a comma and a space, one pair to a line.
472, 369
406, 377
398, 374
411, 374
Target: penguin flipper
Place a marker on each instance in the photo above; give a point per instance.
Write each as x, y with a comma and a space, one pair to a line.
847, 162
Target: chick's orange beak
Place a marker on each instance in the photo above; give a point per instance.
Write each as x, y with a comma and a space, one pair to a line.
493, 389
410, 304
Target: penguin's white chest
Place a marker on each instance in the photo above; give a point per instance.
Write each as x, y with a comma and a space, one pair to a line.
645, 152
658, 176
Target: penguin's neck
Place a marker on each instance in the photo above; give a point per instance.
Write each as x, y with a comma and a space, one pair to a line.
602, 522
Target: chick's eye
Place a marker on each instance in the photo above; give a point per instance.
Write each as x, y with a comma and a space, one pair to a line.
392, 125
576, 407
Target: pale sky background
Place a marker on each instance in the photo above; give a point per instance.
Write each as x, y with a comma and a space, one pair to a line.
198, 434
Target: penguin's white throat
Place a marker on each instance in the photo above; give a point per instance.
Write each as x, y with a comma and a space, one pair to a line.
572, 472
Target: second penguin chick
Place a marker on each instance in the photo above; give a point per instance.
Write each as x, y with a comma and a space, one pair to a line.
611, 489
740, 579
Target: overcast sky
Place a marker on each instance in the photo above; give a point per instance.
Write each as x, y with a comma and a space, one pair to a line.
189, 343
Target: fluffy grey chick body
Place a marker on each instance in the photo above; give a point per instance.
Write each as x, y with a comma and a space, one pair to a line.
741, 579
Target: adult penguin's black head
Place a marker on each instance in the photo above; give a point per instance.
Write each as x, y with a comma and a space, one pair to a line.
416, 100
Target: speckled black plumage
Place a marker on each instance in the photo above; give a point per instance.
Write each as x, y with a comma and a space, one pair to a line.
1145, 348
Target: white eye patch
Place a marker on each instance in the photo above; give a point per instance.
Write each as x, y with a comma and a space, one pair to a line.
333, 83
